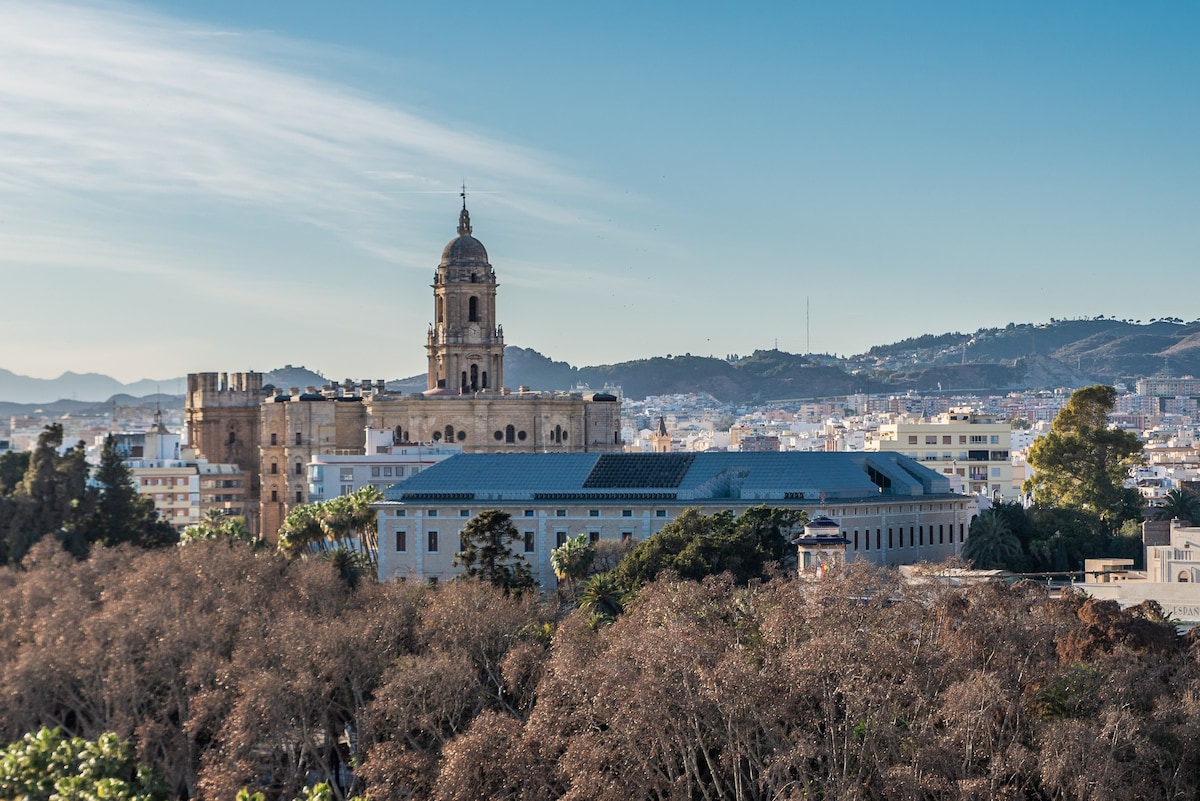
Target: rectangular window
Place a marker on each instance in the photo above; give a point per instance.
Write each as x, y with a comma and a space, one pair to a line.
464, 512
593, 512
431, 512
528, 542
626, 513
299, 496
945, 439
626, 536
660, 512
431, 538
856, 539
560, 512
868, 539
347, 489
529, 513
374, 472
560, 539
878, 534
401, 513
401, 541
387, 471
299, 438
962, 439
274, 496
912, 439
274, 438
931, 439
593, 537
890, 543
994, 439
346, 473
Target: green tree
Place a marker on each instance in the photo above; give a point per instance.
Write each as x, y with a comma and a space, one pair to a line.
695, 545
487, 552
604, 597
48, 765
350, 566
991, 543
13, 465
347, 522
1082, 463
1179, 504
121, 514
572, 560
216, 526
52, 497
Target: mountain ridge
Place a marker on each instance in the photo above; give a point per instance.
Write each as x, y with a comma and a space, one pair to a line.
1017, 357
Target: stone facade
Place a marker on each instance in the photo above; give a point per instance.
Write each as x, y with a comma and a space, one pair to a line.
233, 418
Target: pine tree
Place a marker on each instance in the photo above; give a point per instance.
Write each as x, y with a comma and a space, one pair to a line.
121, 515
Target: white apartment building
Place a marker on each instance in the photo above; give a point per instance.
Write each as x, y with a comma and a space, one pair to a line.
381, 464
960, 444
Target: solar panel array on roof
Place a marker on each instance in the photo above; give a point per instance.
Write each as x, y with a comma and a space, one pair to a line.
638, 470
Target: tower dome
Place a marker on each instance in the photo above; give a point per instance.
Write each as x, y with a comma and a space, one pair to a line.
464, 250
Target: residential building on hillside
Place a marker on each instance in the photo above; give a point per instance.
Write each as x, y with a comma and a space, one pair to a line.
891, 509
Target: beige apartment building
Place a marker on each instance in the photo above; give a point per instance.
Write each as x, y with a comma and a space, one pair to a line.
972, 449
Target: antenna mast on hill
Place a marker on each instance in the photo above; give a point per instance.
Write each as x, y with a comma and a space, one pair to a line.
807, 327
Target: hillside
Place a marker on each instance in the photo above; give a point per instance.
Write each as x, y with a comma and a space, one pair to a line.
1061, 353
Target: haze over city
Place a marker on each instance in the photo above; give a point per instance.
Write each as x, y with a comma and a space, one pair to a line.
238, 186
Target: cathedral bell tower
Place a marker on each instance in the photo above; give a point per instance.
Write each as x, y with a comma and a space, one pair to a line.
465, 345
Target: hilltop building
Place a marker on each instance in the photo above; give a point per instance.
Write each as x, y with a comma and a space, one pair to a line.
891, 510
276, 434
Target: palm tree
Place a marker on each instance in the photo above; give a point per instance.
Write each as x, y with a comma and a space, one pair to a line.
990, 542
1179, 504
301, 531
572, 559
605, 597
351, 566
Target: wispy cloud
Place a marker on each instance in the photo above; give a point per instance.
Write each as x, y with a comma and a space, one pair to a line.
114, 100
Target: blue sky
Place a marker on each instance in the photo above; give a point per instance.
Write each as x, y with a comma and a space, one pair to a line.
228, 185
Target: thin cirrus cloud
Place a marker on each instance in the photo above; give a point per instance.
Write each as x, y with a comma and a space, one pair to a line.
113, 101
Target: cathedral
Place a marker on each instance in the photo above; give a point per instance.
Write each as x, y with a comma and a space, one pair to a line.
272, 434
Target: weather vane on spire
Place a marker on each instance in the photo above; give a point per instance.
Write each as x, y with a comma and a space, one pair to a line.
464, 217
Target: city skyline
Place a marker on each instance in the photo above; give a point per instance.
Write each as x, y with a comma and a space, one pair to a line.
235, 187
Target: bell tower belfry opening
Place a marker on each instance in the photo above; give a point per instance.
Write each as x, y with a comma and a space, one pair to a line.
465, 344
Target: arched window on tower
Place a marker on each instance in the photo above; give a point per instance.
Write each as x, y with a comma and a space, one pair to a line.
474, 377
483, 381
473, 309
449, 433
510, 434
441, 311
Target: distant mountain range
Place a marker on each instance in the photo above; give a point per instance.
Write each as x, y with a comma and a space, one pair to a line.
1061, 353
